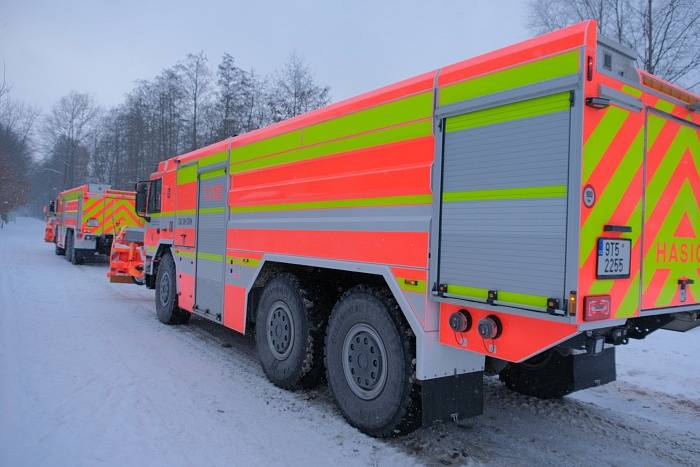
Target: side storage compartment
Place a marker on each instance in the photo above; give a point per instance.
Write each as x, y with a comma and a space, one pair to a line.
504, 203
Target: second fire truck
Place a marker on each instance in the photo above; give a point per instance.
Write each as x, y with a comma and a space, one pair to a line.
88, 217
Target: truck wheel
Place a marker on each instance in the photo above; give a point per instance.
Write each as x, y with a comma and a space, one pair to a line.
76, 256
289, 330
547, 376
167, 308
57, 249
69, 245
370, 354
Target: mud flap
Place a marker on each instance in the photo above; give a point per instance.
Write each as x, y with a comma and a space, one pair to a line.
683, 322
452, 398
593, 370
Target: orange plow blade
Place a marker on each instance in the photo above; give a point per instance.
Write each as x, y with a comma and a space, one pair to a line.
126, 257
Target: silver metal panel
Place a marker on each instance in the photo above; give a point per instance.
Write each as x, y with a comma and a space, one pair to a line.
211, 240
134, 234
415, 218
212, 193
621, 98
521, 153
515, 245
211, 233
574, 184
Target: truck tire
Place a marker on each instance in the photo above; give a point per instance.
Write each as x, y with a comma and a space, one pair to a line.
546, 376
289, 328
167, 308
76, 256
370, 355
69, 245
57, 249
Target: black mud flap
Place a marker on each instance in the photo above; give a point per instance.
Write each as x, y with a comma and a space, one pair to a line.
683, 322
593, 370
452, 398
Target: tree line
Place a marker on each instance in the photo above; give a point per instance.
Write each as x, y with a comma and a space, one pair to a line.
192, 103
186, 106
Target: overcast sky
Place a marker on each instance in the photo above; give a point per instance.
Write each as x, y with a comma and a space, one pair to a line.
103, 47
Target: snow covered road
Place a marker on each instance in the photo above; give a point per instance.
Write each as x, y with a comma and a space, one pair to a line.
88, 376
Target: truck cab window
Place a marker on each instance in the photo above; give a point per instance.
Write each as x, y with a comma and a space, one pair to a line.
154, 196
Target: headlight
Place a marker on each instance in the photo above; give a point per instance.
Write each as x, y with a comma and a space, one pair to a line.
92, 222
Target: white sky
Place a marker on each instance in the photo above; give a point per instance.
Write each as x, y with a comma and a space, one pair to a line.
103, 47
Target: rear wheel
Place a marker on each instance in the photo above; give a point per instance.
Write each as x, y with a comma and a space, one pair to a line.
289, 332
69, 245
57, 249
370, 354
76, 256
547, 376
167, 308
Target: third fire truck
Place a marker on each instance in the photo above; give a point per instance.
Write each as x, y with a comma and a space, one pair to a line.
522, 212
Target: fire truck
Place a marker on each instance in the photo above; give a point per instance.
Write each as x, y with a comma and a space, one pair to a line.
520, 213
88, 217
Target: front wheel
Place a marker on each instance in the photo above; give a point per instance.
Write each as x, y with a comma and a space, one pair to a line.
546, 376
167, 308
370, 354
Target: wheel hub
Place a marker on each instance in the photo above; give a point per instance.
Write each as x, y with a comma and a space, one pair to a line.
280, 330
364, 361
165, 288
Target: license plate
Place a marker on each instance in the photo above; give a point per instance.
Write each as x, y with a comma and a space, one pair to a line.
614, 258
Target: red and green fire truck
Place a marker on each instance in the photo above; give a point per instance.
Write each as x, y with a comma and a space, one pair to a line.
88, 217
521, 213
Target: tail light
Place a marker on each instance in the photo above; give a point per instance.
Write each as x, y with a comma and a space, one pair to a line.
596, 307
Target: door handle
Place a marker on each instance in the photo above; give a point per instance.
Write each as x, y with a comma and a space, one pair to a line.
617, 228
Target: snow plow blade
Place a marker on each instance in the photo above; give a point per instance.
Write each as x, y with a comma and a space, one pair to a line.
121, 279
126, 257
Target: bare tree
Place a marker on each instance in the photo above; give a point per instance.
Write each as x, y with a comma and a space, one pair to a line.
294, 91
665, 33
4, 87
178, 110
228, 99
65, 130
197, 80
16, 121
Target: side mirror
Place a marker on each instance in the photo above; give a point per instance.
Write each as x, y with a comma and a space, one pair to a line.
52, 207
142, 199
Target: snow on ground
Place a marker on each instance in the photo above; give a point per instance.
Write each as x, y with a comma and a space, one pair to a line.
88, 376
